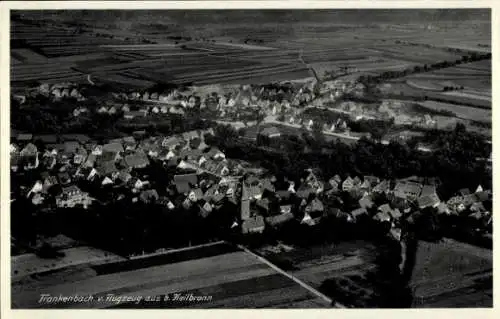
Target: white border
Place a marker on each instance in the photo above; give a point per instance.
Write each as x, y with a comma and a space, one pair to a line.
6, 312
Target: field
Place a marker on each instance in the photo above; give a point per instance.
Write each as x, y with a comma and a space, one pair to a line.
452, 274
234, 279
27, 264
463, 112
235, 52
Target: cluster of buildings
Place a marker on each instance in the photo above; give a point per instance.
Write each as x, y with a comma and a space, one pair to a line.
60, 90
202, 178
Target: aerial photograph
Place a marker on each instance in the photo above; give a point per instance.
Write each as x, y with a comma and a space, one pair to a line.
251, 158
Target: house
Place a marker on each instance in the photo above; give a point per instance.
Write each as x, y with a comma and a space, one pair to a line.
270, 132
205, 208
430, 200
24, 137
136, 160
382, 188
90, 161
37, 199
185, 182
124, 176
46, 138
149, 196
137, 183
382, 216
277, 220
195, 194
358, 213
348, 184
72, 196
107, 168
129, 143
407, 190
366, 202
315, 206
64, 178
102, 110
113, 147
48, 182
133, 114
29, 156
170, 142
37, 187
285, 209
253, 224
80, 156
106, 181
464, 192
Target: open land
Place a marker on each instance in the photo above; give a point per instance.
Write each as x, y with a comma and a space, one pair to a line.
233, 279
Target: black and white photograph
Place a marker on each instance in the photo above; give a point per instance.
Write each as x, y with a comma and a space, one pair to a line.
250, 158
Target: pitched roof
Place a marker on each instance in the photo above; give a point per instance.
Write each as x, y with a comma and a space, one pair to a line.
253, 223
428, 200
136, 159
428, 190
106, 168
358, 212
150, 195
71, 146
316, 205
47, 138
183, 182
112, 147
23, 137
279, 219
271, 130
29, 150
75, 137
365, 202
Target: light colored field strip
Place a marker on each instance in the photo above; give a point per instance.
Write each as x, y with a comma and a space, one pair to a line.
300, 282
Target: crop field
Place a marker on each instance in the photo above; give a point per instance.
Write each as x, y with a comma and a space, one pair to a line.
452, 274
26, 264
235, 53
319, 264
464, 112
233, 279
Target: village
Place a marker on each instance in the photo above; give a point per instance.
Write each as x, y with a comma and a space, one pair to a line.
293, 104
72, 170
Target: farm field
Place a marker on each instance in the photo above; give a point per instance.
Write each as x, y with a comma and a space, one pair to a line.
452, 274
347, 263
27, 264
463, 112
232, 53
234, 279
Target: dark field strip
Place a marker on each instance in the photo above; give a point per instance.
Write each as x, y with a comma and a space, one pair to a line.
241, 293
171, 258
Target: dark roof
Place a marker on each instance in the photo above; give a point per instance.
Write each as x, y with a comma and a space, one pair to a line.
75, 137
71, 146
106, 168
253, 223
47, 138
24, 137
184, 182
270, 131
112, 147
464, 191
149, 195
428, 200
358, 212
279, 219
